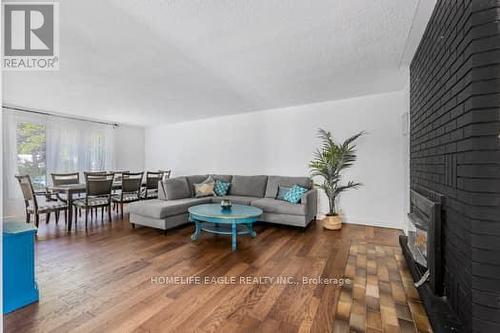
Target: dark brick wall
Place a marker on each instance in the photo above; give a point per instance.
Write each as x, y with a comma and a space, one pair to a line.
454, 148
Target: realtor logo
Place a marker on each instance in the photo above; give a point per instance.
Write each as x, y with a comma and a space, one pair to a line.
31, 36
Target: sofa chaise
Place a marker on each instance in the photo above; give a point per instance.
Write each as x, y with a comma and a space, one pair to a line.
176, 195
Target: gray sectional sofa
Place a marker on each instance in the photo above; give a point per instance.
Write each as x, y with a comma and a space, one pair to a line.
176, 196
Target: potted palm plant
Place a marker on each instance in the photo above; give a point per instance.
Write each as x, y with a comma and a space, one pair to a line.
330, 160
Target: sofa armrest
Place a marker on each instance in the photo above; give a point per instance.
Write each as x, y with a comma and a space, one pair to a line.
309, 196
310, 200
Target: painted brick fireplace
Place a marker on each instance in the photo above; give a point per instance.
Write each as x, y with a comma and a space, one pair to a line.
454, 149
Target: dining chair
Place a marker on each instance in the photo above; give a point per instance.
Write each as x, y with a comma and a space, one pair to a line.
59, 179
98, 187
34, 206
96, 173
150, 190
118, 178
65, 178
131, 189
119, 174
165, 174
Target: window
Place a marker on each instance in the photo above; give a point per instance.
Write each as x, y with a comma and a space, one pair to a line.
39, 145
32, 152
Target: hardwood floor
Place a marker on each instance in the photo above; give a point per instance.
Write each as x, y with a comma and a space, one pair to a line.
111, 279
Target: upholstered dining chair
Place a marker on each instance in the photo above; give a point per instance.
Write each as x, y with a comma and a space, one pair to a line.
131, 189
118, 178
119, 174
94, 174
36, 207
150, 191
165, 174
98, 194
64, 179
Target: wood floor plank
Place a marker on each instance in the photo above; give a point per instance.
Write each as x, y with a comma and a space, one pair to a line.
266, 302
309, 314
335, 266
268, 326
290, 307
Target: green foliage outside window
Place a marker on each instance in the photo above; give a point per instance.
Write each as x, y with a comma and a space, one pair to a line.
31, 152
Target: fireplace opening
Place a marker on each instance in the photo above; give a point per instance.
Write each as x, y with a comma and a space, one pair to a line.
423, 250
424, 236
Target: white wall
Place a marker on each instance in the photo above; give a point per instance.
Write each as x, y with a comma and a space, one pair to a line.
129, 148
282, 141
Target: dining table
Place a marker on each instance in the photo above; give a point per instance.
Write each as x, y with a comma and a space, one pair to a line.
70, 190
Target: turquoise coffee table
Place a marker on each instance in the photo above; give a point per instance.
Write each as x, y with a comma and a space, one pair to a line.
236, 221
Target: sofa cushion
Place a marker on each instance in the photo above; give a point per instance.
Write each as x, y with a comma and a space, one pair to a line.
251, 186
160, 209
196, 179
235, 199
269, 205
275, 181
224, 178
176, 188
162, 195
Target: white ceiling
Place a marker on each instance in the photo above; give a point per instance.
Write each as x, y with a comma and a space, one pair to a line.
147, 62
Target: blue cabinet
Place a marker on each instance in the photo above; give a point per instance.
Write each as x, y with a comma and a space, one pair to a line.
19, 285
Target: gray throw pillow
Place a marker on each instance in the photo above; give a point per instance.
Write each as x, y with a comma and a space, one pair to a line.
282, 190
177, 188
161, 190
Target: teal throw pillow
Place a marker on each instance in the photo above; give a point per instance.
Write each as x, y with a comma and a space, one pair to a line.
295, 194
221, 187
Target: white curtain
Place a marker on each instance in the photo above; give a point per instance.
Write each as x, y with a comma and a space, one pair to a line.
11, 194
74, 145
70, 146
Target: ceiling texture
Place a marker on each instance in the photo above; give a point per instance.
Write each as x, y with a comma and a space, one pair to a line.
147, 62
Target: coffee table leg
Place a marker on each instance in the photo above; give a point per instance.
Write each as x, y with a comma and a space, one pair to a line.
250, 230
234, 235
197, 231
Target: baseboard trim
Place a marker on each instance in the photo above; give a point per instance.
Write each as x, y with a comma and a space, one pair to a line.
370, 222
367, 222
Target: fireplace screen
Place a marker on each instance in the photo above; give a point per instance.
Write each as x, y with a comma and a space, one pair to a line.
424, 235
417, 240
